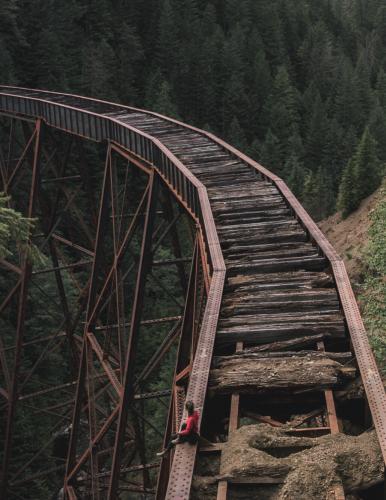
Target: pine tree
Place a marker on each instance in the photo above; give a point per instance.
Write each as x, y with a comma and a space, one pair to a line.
236, 135
339, 146
346, 95
380, 89
235, 102
347, 198
270, 154
317, 195
7, 66
98, 70
129, 57
377, 125
259, 83
366, 164
363, 89
317, 61
254, 150
295, 146
269, 24
282, 111
294, 175
163, 102
316, 134
168, 45
361, 176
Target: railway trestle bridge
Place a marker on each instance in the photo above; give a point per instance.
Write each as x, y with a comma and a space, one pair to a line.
134, 210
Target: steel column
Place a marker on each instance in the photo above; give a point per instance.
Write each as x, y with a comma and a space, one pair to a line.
25, 278
128, 386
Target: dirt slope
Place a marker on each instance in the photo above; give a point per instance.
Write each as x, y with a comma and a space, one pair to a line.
349, 236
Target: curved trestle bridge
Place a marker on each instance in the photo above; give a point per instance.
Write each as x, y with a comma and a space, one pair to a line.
258, 292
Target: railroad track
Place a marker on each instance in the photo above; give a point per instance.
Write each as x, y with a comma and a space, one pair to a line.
286, 302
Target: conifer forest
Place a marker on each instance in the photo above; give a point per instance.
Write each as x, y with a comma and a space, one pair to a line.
297, 85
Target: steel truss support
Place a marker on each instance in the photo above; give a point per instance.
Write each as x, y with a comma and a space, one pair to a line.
107, 385
116, 363
30, 157
26, 268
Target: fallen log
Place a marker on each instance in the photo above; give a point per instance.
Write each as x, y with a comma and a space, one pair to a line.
253, 373
251, 354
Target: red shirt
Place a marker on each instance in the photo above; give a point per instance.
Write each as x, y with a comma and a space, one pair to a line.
191, 424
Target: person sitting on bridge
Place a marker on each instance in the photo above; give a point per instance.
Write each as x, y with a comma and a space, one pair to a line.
188, 432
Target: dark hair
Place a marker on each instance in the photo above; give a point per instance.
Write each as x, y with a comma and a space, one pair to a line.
189, 405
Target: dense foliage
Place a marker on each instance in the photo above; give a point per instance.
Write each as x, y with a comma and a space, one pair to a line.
14, 228
373, 296
292, 82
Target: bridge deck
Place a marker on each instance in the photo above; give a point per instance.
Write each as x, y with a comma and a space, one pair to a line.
281, 286
278, 283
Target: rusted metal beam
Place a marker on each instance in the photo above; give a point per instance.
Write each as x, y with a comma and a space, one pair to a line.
98, 255
23, 296
143, 269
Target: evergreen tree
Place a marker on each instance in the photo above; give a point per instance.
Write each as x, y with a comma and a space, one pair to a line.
361, 176
270, 153
366, 166
380, 89
296, 147
98, 70
338, 146
317, 59
364, 94
11, 40
236, 135
317, 195
129, 56
163, 102
254, 150
377, 126
294, 175
346, 95
347, 199
235, 102
167, 46
259, 83
282, 111
316, 134
269, 24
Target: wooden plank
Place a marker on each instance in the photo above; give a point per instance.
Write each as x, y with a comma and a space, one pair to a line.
251, 375
222, 490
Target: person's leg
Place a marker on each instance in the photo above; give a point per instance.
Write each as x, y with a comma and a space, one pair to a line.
169, 446
193, 438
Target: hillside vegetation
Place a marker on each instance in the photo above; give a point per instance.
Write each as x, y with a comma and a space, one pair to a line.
361, 241
373, 296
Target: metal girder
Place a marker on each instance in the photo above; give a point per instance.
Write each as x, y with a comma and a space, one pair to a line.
26, 269
128, 387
